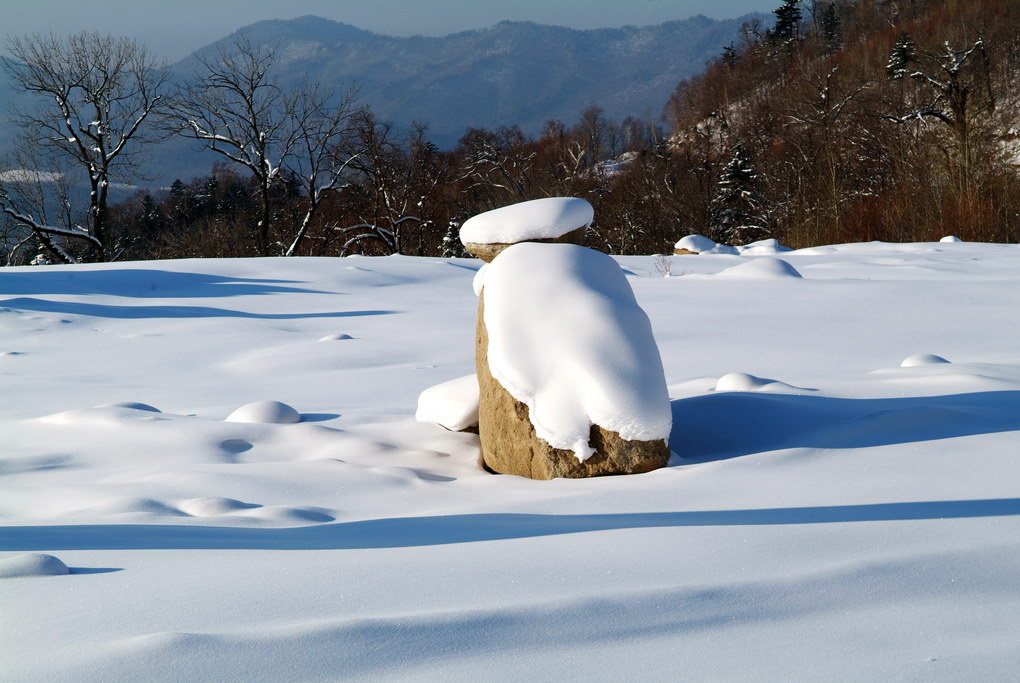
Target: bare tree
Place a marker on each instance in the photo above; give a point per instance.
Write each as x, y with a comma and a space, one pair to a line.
398, 181
237, 109
96, 93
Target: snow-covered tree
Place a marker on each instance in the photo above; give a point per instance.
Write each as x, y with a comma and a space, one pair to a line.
739, 212
452, 246
96, 96
903, 53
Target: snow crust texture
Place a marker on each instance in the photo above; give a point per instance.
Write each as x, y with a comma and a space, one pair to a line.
568, 339
546, 218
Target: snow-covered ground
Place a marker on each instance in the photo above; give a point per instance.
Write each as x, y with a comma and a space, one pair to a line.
827, 515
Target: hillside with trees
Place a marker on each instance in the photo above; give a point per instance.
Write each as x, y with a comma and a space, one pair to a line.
840, 121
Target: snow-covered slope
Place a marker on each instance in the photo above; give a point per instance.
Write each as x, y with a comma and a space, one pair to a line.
827, 515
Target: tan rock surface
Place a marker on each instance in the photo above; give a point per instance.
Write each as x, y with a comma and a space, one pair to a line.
510, 445
487, 252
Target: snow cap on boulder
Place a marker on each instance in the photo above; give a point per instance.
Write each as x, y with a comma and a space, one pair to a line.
551, 219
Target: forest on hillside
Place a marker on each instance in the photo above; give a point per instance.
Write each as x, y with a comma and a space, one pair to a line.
842, 121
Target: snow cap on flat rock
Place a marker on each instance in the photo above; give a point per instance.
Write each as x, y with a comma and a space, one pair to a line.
548, 219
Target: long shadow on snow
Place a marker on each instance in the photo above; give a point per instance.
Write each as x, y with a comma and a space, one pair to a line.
723, 425
140, 283
145, 312
408, 532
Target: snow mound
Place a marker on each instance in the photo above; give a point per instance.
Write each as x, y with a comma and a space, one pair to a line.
741, 381
452, 404
131, 405
922, 359
213, 506
568, 339
764, 267
699, 244
763, 247
265, 412
546, 218
950, 238
32, 564
337, 336
288, 516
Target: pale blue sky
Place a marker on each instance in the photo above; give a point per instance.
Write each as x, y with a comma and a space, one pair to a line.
175, 28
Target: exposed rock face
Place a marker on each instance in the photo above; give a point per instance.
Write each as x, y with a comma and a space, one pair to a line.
510, 445
487, 252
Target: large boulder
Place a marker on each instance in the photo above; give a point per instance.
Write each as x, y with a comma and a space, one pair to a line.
570, 379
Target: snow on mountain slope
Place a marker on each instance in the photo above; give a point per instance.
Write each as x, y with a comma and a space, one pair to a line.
842, 517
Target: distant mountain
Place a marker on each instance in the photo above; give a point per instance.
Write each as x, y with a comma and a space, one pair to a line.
511, 73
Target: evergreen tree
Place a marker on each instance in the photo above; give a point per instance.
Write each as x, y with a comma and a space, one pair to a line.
787, 26
739, 213
729, 55
831, 29
452, 246
903, 53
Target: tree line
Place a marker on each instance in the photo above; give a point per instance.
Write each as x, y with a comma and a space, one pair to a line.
847, 120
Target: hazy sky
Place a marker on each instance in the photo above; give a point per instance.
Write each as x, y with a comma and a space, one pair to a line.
175, 28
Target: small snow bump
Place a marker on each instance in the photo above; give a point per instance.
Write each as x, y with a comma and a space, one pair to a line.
32, 564
214, 506
950, 238
337, 336
265, 412
131, 405
922, 359
741, 381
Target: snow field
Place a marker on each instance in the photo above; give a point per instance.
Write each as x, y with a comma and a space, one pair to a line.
831, 511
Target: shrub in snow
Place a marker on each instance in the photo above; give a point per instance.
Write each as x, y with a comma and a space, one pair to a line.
571, 382
265, 412
552, 219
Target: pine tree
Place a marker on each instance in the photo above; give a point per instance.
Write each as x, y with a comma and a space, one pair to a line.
739, 213
831, 29
787, 26
452, 246
903, 53
729, 55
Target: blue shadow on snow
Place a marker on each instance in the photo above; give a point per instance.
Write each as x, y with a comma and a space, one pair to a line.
409, 532
140, 283
718, 426
146, 312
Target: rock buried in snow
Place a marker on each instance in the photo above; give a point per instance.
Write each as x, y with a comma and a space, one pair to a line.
698, 244
452, 404
32, 564
922, 359
551, 219
265, 412
571, 382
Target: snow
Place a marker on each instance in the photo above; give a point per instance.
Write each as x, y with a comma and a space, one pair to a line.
568, 339
950, 238
546, 218
266, 412
764, 267
32, 564
699, 244
851, 520
452, 404
922, 359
